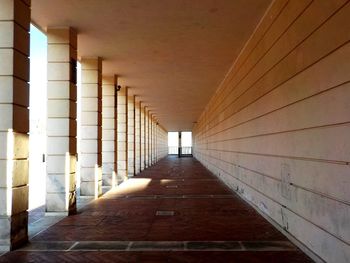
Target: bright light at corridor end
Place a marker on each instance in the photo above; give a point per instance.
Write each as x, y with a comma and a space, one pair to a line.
173, 139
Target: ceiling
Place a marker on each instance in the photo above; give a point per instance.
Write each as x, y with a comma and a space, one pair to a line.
172, 54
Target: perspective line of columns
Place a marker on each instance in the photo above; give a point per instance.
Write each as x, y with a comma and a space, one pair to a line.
115, 137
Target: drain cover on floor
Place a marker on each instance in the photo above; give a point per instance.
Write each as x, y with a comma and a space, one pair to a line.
164, 213
171, 186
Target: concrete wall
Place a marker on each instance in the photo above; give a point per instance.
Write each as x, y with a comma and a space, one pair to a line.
277, 129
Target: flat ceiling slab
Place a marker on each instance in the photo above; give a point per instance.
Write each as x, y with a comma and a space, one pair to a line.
172, 54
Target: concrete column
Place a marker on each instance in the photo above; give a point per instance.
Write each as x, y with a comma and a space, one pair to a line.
91, 127
146, 138
151, 138
137, 137
14, 122
142, 137
180, 145
131, 136
149, 141
122, 161
154, 139
61, 120
109, 130
157, 142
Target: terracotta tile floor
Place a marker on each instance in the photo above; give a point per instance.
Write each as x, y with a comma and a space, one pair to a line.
192, 205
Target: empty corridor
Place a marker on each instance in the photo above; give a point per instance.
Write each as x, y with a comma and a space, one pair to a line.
174, 211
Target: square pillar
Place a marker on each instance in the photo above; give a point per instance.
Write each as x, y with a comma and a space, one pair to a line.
142, 137
91, 127
131, 136
146, 139
14, 122
149, 141
109, 130
137, 137
156, 141
179, 144
122, 161
61, 120
153, 140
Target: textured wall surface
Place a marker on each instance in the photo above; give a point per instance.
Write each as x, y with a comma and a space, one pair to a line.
277, 129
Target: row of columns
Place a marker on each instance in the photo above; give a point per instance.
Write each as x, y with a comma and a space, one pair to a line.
118, 133
14, 122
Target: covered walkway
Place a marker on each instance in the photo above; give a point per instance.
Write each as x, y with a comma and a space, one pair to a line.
174, 211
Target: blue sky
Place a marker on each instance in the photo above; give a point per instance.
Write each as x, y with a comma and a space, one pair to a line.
37, 141
38, 71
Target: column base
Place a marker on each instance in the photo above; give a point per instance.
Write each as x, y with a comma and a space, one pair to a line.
88, 189
64, 213
13, 231
56, 203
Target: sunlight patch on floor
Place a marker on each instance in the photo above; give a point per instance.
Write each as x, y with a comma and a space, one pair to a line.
132, 185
